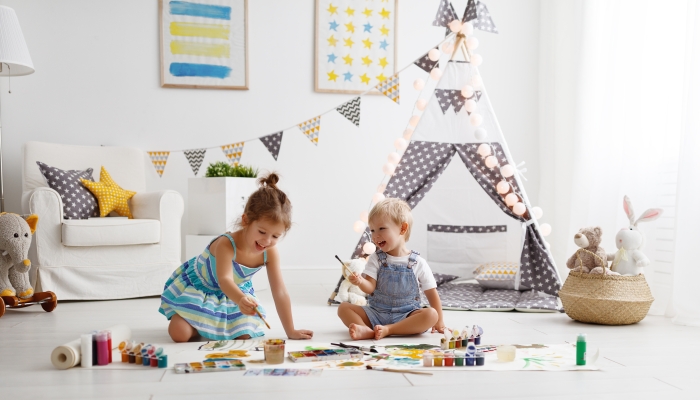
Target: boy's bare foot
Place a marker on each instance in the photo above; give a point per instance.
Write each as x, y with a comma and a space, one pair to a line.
380, 331
359, 332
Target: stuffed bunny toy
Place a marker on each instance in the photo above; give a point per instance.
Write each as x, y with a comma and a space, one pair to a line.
349, 292
629, 260
15, 237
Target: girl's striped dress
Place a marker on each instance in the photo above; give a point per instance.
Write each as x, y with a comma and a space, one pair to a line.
193, 292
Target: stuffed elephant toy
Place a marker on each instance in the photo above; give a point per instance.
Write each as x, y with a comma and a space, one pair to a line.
15, 237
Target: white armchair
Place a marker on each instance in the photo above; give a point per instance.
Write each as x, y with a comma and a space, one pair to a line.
101, 258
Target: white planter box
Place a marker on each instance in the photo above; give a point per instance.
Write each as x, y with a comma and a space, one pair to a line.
214, 204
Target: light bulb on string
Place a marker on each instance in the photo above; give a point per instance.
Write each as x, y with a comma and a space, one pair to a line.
421, 104
369, 248
470, 105
407, 134
467, 29
381, 188
418, 84
545, 229
389, 168
359, 226
467, 91
394, 158
364, 216
519, 208
455, 26
503, 187
476, 60
414, 120
378, 197
448, 47
511, 199
537, 212
472, 43
476, 119
435, 74
491, 161
434, 55
400, 144
484, 150
507, 170
480, 134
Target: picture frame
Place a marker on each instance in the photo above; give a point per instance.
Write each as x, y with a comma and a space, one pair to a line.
357, 65
203, 44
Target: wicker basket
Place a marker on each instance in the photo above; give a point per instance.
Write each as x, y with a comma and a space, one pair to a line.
606, 299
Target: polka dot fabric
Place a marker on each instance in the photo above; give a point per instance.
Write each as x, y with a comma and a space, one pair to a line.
110, 196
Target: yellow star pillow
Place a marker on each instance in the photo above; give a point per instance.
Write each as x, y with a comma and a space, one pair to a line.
109, 195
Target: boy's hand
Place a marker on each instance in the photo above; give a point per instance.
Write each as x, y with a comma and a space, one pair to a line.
355, 279
439, 327
247, 305
303, 334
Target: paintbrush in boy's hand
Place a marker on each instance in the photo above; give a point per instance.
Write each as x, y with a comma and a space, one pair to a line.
345, 267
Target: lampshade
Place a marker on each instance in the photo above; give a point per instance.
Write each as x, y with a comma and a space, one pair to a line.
13, 49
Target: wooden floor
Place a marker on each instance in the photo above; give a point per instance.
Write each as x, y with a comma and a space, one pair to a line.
650, 360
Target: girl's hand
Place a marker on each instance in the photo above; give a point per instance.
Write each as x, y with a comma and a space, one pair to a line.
302, 334
247, 305
355, 279
439, 327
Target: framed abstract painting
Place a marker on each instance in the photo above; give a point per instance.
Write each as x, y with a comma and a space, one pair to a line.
355, 44
204, 44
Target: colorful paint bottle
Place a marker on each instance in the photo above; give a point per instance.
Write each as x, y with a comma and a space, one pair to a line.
145, 359
459, 360
477, 340
109, 345
427, 359
94, 347
449, 360
443, 344
464, 342
581, 349
452, 344
163, 361
437, 360
479, 359
102, 349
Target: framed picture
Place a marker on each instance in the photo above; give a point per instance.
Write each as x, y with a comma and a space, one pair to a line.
355, 44
204, 44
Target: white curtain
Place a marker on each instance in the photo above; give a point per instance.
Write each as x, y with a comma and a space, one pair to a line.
614, 84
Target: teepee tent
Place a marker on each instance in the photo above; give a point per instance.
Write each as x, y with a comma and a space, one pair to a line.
449, 174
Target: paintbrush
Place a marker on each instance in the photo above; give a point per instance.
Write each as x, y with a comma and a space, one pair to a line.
261, 317
401, 371
345, 267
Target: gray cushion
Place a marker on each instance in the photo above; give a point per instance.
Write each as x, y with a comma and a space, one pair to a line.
78, 201
497, 300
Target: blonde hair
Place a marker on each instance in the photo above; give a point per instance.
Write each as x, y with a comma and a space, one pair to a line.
269, 202
397, 210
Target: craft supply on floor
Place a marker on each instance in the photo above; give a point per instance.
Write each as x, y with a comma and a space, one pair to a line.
274, 351
479, 358
209, 366
581, 349
325, 355
283, 372
86, 350
401, 371
506, 353
68, 355
427, 359
102, 348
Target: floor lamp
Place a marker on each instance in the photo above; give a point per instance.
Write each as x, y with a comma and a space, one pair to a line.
14, 61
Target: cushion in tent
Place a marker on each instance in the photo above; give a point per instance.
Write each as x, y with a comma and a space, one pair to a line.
497, 300
497, 275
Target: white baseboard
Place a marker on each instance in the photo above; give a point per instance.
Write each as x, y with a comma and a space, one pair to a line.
300, 275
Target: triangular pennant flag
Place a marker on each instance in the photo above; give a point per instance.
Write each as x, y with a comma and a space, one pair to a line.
425, 63
390, 88
273, 143
195, 157
444, 98
477, 93
470, 11
483, 19
233, 152
445, 14
351, 111
159, 159
312, 129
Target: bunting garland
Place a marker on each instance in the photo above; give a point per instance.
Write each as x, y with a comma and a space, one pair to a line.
195, 157
351, 111
454, 98
312, 129
273, 143
477, 12
159, 159
390, 88
445, 14
233, 152
426, 64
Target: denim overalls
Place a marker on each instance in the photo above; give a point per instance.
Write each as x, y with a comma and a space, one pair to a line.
396, 294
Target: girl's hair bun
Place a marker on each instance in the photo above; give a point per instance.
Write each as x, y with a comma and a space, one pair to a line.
270, 180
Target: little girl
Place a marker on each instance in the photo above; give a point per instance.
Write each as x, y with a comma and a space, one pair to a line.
393, 279
212, 295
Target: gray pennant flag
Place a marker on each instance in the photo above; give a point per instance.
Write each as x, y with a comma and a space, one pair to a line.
195, 157
273, 143
351, 111
483, 19
445, 14
425, 63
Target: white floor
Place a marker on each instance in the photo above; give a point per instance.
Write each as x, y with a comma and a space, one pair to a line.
650, 360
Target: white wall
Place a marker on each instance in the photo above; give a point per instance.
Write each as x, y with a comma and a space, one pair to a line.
97, 83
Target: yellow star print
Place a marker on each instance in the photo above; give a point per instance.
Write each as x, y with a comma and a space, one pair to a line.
366, 60
367, 12
350, 27
368, 43
350, 12
348, 42
332, 9
332, 41
383, 62
365, 78
332, 76
384, 30
385, 13
348, 59
381, 77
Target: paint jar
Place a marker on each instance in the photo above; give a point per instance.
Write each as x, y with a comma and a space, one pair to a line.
443, 344
145, 360
132, 357
94, 347
427, 359
477, 340
437, 360
163, 361
449, 360
154, 361
458, 343
505, 353
464, 342
452, 344
479, 359
109, 345
102, 349
469, 360
459, 360
274, 351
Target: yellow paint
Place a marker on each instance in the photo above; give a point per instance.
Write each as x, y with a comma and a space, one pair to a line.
200, 49
200, 30
351, 364
231, 353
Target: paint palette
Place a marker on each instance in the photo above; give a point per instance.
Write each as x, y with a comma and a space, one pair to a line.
325, 355
209, 366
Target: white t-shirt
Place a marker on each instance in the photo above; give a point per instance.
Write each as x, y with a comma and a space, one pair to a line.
426, 280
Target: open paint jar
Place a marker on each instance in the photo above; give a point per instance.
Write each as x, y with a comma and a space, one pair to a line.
479, 358
427, 359
274, 351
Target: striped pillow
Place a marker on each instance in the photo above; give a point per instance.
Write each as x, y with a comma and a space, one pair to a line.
497, 275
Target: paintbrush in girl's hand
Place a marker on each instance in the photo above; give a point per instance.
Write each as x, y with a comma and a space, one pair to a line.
401, 371
261, 317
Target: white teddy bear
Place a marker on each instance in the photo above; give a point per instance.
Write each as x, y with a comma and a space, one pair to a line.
349, 292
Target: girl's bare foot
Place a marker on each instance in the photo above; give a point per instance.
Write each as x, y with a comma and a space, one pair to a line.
380, 331
359, 332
